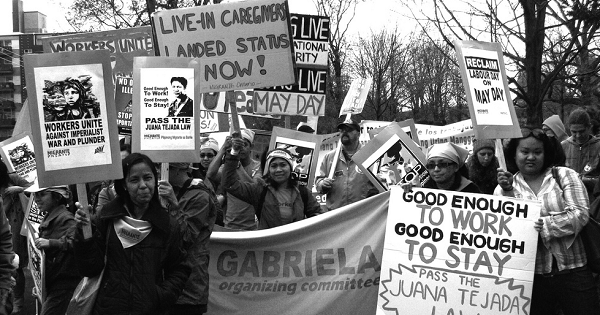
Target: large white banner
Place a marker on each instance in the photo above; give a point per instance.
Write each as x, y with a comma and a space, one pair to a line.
457, 253
328, 264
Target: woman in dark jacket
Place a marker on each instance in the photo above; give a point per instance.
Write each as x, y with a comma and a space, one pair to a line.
483, 166
145, 270
281, 201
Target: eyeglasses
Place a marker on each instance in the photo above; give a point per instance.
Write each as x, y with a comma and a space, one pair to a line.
536, 133
207, 155
441, 165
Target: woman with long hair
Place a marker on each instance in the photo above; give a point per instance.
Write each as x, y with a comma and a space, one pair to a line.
281, 200
483, 166
145, 270
562, 278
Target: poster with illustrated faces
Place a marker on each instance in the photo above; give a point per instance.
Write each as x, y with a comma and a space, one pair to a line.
19, 156
389, 146
304, 148
73, 117
166, 115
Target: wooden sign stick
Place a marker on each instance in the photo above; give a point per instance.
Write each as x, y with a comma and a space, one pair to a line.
83, 201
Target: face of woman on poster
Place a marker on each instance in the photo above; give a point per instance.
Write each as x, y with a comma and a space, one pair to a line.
71, 95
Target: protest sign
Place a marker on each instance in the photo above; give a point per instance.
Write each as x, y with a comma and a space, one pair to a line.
460, 133
36, 265
243, 45
354, 101
484, 78
307, 96
166, 122
325, 264
19, 156
385, 149
124, 45
222, 101
457, 253
73, 117
370, 128
304, 148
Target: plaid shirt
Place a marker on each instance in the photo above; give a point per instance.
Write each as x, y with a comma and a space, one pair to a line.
564, 212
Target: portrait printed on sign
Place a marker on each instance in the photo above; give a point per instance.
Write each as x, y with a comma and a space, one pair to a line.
19, 156
72, 115
167, 108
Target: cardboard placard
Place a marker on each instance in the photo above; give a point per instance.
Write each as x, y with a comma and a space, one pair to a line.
221, 102
36, 265
304, 148
460, 133
124, 45
484, 78
354, 102
73, 117
307, 96
19, 156
166, 121
386, 148
448, 252
243, 45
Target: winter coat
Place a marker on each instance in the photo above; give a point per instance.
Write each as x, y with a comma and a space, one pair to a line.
584, 159
146, 278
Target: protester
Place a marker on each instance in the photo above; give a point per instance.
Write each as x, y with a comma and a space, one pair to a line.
582, 149
281, 200
483, 166
11, 189
108, 192
238, 214
348, 184
304, 127
145, 269
554, 127
56, 234
7, 255
194, 206
208, 150
562, 279
445, 164
182, 106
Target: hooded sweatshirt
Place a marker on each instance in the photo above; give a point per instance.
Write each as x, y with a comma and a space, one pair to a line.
557, 126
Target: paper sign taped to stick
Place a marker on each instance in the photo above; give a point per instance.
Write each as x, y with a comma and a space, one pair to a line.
124, 45
484, 78
243, 45
19, 156
304, 148
448, 252
354, 102
36, 264
73, 117
166, 122
385, 150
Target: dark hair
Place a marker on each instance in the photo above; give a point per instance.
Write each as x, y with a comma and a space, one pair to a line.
181, 80
76, 85
128, 163
579, 117
485, 177
4, 178
549, 148
125, 147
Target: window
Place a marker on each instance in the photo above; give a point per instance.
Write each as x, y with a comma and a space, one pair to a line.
27, 51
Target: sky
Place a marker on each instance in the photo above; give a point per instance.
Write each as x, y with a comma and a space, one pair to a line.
371, 14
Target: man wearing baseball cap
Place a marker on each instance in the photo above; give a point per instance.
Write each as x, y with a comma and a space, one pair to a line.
238, 214
348, 184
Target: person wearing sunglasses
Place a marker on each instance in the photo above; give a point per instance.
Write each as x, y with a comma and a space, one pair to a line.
562, 278
446, 167
208, 150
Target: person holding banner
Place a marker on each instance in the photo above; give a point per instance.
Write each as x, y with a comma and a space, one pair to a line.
562, 278
56, 234
446, 166
136, 243
282, 200
483, 166
348, 184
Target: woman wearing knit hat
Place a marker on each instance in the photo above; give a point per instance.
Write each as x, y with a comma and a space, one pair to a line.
483, 166
445, 163
281, 200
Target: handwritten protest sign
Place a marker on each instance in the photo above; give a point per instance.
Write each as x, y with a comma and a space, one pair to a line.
124, 45
166, 122
460, 133
385, 149
19, 156
222, 101
243, 45
73, 117
304, 148
484, 77
354, 101
307, 96
457, 253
